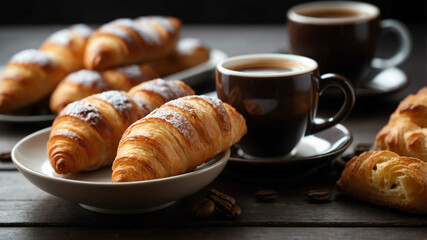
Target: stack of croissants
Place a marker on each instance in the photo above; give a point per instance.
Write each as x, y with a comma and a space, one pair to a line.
395, 174
113, 109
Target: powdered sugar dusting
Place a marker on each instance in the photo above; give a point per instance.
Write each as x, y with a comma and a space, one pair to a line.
32, 56
122, 21
117, 99
177, 120
177, 89
131, 71
88, 79
148, 33
117, 31
188, 45
82, 30
69, 134
161, 89
214, 102
84, 111
61, 37
167, 89
186, 106
163, 21
142, 104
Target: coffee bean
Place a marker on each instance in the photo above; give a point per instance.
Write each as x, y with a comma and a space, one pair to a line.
222, 196
5, 156
266, 195
362, 147
319, 195
203, 209
224, 204
234, 212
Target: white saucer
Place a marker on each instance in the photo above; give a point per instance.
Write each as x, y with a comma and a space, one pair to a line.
95, 191
312, 150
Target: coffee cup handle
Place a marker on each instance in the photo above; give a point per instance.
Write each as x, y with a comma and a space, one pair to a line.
334, 80
404, 48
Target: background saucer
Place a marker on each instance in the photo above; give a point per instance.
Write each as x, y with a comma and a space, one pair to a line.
379, 83
383, 82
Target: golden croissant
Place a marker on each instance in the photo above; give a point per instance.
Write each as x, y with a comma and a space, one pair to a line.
387, 179
32, 74
126, 41
85, 135
406, 131
189, 52
176, 138
84, 83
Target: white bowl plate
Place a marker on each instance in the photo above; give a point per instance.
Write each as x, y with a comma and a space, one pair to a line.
95, 191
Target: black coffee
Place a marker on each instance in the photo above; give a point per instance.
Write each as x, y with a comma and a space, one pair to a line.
347, 49
266, 69
331, 13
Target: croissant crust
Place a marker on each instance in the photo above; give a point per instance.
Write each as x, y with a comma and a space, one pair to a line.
85, 135
176, 138
387, 179
406, 131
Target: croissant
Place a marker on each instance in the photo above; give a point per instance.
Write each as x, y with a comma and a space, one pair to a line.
28, 77
85, 135
67, 46
126, 41
32, 74
406, 131
189, 52
176, 138
387, 179
124, 78
84, 83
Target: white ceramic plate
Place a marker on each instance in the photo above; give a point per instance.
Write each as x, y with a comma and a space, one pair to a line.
190, 76
95, 191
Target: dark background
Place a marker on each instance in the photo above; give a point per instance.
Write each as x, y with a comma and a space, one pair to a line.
190, 12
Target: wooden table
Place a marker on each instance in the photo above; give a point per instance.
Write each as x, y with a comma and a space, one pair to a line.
27, 212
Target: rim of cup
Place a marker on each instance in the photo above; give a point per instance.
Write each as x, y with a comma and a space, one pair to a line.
308, 64
370, 12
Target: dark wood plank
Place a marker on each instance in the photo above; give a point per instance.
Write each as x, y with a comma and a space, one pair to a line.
7, 166
22, 204
48, 233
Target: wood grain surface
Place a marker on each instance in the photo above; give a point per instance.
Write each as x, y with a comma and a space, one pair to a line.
27, 212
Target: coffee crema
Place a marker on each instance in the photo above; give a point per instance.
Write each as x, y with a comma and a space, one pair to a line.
332, 13
265, 69
268, 67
